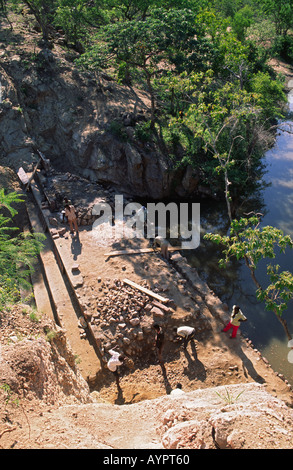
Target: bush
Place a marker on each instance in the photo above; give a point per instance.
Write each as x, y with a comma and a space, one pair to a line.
117, 129
283, 47
143, 131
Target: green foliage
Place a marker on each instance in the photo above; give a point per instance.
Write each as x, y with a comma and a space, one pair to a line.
143, 44
281, 12
242, 20
76, 18
70, 17
279, 292
270, 95
143, 131
50, 335
8, 394
17, 253
228, 397
247, 241
283, 47
118, 130
128, 9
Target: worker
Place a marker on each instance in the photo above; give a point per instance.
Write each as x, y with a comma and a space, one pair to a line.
236, 318
159, 340
164, 244
114, 362
176, 392
184, 333
71, 216
66, 202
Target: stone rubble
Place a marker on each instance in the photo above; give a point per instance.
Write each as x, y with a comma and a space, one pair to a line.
124, 317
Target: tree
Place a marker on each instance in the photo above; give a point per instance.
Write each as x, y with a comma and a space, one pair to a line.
218, 117
281, 11
43, 11
130, 9
17, 253
145, 45
241, 21
251, 243
270, 95
70, 16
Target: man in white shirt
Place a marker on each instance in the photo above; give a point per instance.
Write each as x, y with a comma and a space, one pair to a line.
184, 333
176, 392
114, 362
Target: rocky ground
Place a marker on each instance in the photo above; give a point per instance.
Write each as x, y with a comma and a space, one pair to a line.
46, 404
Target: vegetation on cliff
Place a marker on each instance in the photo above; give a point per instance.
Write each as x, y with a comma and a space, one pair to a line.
205, 65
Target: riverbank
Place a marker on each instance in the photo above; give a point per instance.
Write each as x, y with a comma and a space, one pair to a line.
234, 285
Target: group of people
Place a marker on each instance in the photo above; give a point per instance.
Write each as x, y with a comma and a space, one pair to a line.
182, 334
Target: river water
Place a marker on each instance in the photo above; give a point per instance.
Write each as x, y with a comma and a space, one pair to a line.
234, 285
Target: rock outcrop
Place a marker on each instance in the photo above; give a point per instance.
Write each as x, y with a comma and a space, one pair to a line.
83, 123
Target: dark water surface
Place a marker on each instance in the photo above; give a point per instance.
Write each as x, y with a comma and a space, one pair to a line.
235, 286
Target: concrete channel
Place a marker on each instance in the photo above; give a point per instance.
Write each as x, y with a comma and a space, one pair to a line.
54, 293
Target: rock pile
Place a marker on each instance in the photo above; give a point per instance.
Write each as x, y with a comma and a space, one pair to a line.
123, 316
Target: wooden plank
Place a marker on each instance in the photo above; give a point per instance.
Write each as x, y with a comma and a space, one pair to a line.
146, 291
139, 251
32, 175
161, 306
129, 252
45, 161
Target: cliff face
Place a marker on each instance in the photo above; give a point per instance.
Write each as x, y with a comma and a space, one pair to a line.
83, 123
